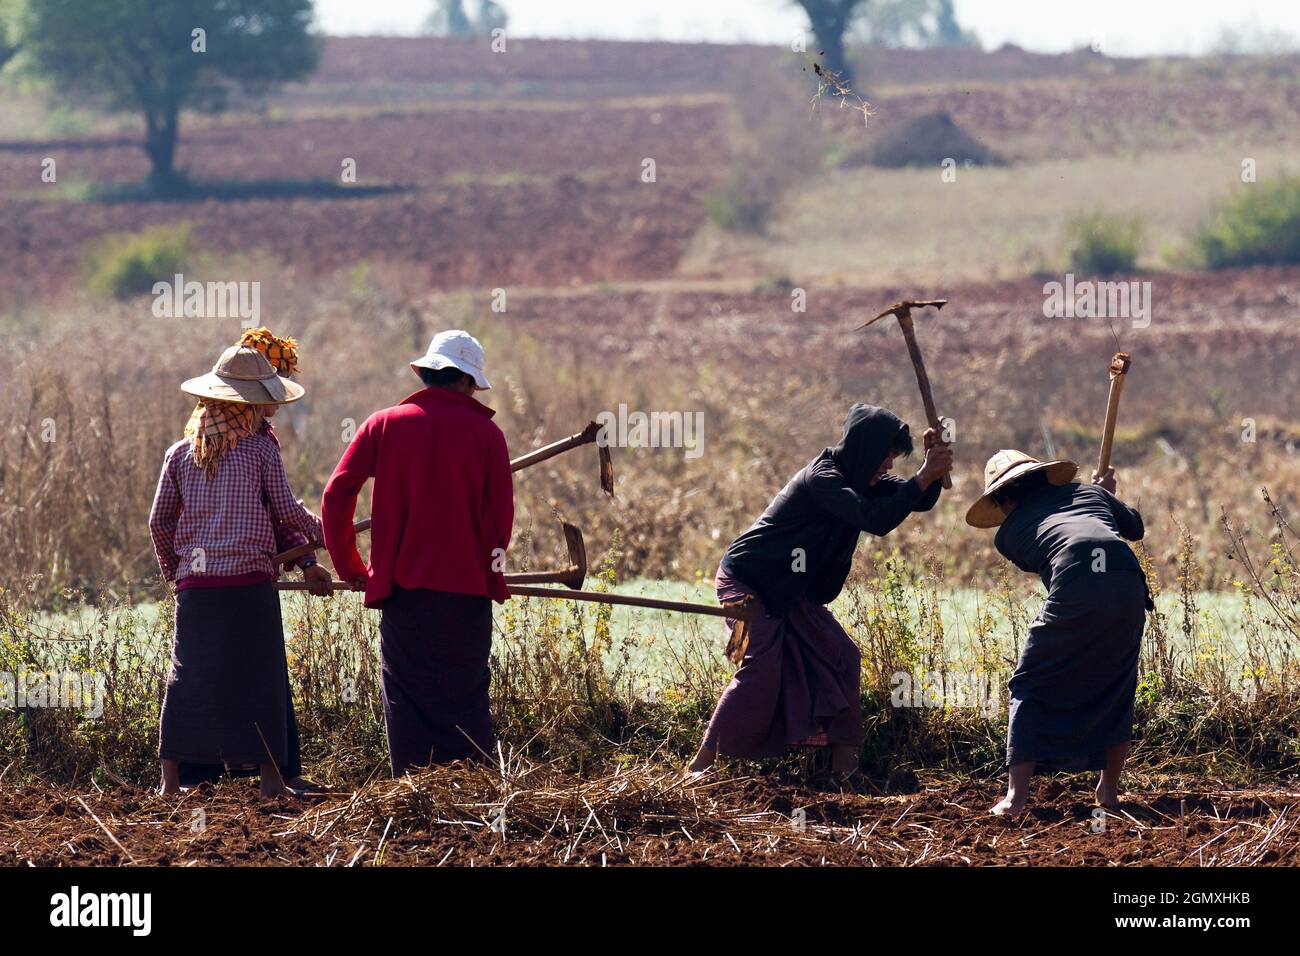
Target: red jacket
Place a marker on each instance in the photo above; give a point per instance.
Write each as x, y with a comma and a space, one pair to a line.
443, 501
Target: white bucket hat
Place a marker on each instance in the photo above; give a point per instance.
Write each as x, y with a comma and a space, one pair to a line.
458, 349
243, 375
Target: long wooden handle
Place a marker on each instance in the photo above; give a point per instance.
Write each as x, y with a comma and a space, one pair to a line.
923, 380
739, 612
565, 576
304, 586
572, 577
293, 554
1112, 413
538, 455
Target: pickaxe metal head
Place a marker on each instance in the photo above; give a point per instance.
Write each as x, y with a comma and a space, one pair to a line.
606, 471
577, 556
602, 453
572, 576
903, 310
587, 436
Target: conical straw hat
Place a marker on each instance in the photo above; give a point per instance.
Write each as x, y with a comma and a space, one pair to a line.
243, 374
1002, 469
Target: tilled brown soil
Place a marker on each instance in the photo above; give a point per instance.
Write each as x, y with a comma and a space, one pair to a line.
1204, 330
428, 62
477, 196
439, 819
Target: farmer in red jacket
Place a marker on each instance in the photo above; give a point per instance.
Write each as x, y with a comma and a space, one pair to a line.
442, 509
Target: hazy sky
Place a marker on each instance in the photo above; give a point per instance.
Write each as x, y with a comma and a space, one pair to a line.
1120, 27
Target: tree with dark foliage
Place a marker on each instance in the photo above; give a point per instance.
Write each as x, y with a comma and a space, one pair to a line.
919, 24
915, 23
157, 57
8, 32
449, 19
829, 20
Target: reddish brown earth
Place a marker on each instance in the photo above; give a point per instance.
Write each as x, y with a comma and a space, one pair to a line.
420, 146
488, 197
1104, 115
519, 168
358, 60
739, 822
1205, 328
568, 231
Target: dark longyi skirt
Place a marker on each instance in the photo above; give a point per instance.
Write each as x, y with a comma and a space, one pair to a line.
1073, 688
434, 651
226, 693
802, 673
193, 774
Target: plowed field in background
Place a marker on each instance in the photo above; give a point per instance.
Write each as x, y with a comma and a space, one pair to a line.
488, 196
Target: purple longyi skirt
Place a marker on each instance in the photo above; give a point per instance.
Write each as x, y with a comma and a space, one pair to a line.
801, 674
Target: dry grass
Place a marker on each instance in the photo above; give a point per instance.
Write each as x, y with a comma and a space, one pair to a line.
585, 697
772, 386
991, 223
519, 813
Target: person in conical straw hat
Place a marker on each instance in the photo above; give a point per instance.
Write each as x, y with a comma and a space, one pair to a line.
1072, 690
283, 354
221, 496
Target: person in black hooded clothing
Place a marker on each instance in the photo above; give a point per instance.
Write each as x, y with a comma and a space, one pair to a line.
800, 677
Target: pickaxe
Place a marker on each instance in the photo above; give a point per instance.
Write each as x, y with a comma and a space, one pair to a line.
1119, 366
534, 457
584, 437
571, 577
903, 312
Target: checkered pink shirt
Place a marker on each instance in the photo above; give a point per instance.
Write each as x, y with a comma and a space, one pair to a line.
229, 524
285, 536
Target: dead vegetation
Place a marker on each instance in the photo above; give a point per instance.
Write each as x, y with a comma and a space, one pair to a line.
79, 451
520, 813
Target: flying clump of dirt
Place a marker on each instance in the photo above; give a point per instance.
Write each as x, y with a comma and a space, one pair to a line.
928, 140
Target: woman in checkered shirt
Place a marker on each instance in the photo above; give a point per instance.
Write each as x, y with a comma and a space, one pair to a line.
222, 498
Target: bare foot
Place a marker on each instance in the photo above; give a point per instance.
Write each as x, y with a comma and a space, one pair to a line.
169, 777
703, 761
1107, 797
1008, 806
844, 760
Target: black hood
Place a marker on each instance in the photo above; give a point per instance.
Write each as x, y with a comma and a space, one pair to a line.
869, 434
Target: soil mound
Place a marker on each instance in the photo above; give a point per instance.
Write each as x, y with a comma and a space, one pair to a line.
927, 141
